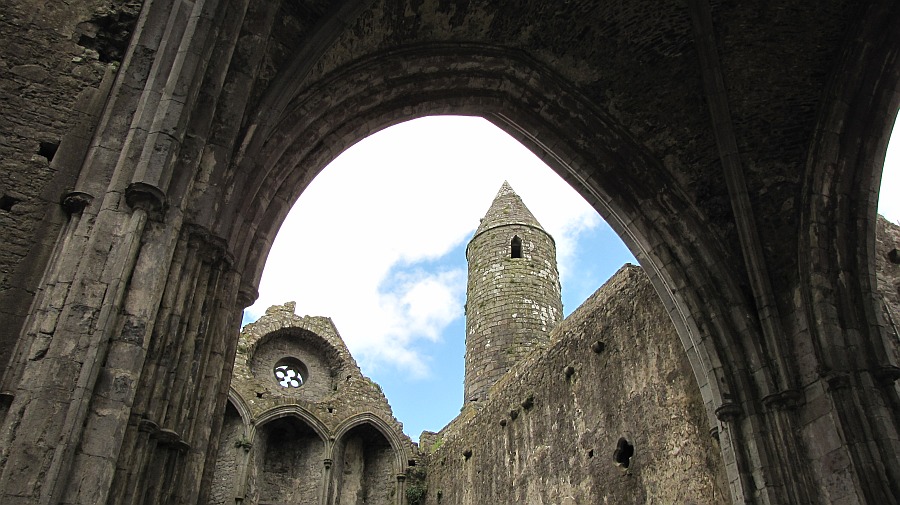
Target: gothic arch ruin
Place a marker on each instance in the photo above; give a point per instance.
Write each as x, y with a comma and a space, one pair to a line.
736, 149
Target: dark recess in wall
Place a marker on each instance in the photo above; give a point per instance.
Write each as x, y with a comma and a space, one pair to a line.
7, 202
109, 31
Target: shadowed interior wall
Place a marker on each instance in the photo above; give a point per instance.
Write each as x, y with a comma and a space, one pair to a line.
291, 466
56, 67
363, 470
230, 455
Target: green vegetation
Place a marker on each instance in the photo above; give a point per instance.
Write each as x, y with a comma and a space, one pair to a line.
416, 487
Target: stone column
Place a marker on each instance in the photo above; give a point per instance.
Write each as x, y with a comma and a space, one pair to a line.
326, 481
400, 489
243, 461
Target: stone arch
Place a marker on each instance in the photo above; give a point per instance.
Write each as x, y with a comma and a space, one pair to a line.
634, 194
209, 244
617, 176
843, 172
237, 401
369, 461
840, 317
389, 433
289, 454
332, 353
296, 411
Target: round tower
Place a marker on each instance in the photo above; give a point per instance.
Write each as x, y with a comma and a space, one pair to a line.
513, 294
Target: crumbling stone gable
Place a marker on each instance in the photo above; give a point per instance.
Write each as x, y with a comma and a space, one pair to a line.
329, 434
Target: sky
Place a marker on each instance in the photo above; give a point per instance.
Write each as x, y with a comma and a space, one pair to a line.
377, 243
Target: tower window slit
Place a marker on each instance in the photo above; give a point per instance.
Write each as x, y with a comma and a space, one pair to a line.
515, 247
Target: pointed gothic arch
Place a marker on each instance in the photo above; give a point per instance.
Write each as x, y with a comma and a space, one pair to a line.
502, 86
185, 182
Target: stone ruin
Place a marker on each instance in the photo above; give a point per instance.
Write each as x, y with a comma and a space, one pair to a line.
150, 150
600, 407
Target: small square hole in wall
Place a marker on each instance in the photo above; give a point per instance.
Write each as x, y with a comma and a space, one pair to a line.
7, 202
48, 150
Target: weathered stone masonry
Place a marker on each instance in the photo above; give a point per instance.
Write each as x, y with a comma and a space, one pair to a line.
329, 438
513, 295
735, 147
541, 430
614, 369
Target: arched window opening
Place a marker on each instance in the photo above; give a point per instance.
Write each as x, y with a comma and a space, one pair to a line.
515, 247
623, 453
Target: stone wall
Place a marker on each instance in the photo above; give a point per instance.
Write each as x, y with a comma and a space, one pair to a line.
337, 389
322, 371
887, 268
363, 469
223, 487
614, 376
291, 468
54, 57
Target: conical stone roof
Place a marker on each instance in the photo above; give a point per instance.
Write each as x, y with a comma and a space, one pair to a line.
506, 209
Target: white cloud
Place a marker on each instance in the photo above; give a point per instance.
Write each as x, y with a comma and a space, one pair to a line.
430, 302
350, 246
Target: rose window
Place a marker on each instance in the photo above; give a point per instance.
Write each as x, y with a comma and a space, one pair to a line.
290, 373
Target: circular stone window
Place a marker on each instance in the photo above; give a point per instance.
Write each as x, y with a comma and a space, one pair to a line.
290, 373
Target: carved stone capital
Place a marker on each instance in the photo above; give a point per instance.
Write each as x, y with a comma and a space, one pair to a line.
728, 412
74, 202
140, 195
171, 439
246, 296
783, 400
147, 426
